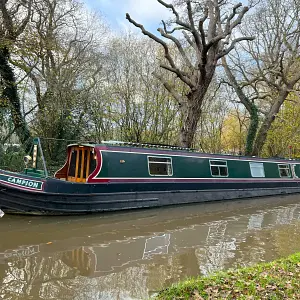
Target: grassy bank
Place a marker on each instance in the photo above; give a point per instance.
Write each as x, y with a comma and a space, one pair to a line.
277, 280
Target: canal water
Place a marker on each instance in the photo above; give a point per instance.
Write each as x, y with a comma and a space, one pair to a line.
132, 255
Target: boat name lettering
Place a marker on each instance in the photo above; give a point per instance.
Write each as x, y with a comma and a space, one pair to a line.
23, 182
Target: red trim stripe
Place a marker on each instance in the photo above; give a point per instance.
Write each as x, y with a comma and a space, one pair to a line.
92, 178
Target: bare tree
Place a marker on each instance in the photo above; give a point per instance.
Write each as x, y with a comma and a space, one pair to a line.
134, 106
14, 17
208, 32
214, 111
265, 71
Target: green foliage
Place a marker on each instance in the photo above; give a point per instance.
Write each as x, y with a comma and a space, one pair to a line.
252, 130
276, 280
11, 158
234, 132
285, 131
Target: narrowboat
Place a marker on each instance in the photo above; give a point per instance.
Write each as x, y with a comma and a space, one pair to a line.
117, 175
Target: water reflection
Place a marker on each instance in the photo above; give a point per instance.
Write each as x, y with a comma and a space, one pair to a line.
132, 255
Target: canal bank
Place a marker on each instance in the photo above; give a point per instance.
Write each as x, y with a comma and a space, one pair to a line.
276, 280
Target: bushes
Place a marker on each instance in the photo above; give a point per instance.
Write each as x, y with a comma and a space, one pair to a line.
11, 157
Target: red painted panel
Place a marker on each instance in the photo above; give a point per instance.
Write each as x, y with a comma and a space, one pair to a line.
92, 178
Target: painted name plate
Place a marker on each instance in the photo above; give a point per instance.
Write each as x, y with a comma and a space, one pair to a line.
22, 182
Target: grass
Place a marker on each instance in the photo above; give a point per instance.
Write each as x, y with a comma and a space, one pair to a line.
276, 280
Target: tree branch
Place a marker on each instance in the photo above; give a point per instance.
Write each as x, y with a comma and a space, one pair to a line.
173, 30
167, 52
191, 43
178, 45
179, 74
170, 88
231, 47
229, 27
232, 15
7, 20
243, 98
26, 20
199, 40
178, 21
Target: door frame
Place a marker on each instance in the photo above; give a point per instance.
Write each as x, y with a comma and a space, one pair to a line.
83, 158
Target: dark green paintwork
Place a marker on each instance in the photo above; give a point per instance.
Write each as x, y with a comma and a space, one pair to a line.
297, 169
136, 166
34, 173
123, 163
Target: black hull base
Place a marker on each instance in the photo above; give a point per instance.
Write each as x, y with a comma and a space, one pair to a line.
13, 200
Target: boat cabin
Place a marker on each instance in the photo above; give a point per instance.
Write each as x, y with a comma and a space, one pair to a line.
132, 162
81, 162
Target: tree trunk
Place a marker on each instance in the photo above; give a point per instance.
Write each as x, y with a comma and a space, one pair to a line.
263, 131
252, 130
10, 92
191, 113
250, 106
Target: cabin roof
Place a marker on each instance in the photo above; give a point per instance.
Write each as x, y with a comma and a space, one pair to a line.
83, 144
135, 145
160, 148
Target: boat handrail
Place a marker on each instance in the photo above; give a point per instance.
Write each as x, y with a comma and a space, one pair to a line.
149, 145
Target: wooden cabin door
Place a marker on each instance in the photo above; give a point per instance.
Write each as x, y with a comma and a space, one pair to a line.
81, 163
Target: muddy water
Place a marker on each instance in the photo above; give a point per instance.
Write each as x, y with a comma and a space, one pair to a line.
134, 254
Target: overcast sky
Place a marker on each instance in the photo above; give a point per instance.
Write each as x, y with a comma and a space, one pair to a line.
147, 12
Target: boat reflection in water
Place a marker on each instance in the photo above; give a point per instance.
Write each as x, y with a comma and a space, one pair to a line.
92, 261
130, 256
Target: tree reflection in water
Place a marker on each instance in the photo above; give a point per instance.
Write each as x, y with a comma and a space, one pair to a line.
136, 266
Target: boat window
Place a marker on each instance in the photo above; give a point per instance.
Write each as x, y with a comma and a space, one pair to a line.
72, 167
160, 166
85, 161
257, 169
79, 164
218, 168
284, 170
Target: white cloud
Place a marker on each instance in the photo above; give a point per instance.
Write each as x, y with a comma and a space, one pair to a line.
147, 11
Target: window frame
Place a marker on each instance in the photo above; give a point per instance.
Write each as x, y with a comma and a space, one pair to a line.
168, 163
71, 172
287, 168
259, 163
215, 165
